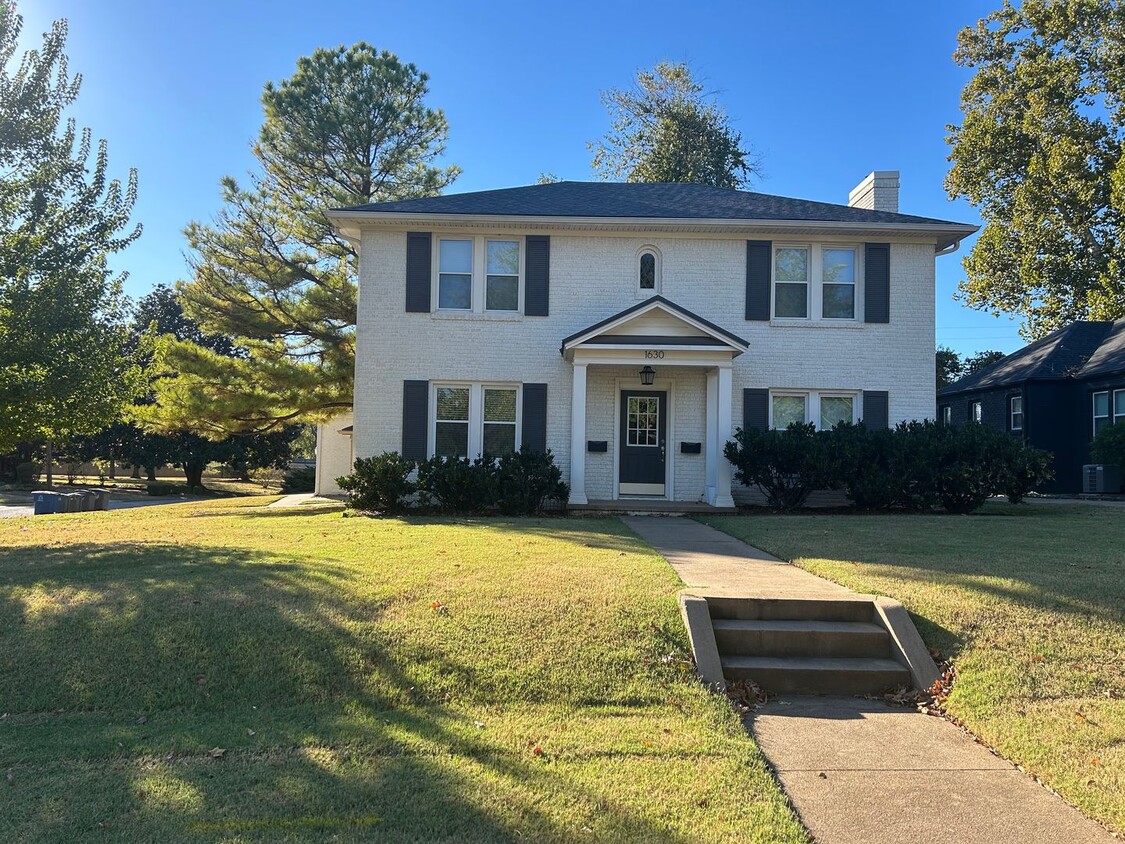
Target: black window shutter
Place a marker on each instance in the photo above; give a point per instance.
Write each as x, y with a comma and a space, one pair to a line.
537, 275
876, 409
415, 419
877, 282
755, 409
758, 257
418, 272
534, 432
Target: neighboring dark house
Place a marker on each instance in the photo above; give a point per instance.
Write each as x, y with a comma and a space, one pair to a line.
1055, 393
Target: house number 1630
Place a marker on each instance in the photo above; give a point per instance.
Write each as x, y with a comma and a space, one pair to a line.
656, 354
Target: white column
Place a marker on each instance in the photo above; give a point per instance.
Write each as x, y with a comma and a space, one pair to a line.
722, 488
711, 435
578, 435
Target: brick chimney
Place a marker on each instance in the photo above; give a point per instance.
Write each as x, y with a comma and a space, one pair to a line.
878, 192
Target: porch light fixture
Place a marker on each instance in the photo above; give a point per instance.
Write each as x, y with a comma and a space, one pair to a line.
647, 374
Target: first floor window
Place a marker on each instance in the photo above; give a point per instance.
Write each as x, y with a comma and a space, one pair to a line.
471, 420
1016, 412
791, 282
975, 411
836, 409
839, 284
451, 433
1101, 411
947, 415
789, 410
499, 432
1118, 407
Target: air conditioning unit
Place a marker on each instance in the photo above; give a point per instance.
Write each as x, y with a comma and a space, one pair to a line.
1099, 478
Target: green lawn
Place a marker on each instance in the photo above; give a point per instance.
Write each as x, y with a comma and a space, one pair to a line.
1030, 601
357, 679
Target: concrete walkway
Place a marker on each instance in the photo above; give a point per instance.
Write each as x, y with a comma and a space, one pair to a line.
858, 770
294, 500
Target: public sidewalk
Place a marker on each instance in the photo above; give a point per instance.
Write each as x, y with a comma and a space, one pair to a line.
857, 770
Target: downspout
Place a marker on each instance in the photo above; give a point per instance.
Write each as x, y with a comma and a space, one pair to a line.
949, 250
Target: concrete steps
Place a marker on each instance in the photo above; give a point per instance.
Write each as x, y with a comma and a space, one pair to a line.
805, 645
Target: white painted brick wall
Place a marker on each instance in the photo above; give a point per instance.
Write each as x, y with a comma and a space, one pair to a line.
333, 454
593, 277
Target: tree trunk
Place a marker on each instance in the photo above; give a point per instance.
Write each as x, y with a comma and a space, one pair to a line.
136, 476
112, 464
194, 474
50, 469
151, 472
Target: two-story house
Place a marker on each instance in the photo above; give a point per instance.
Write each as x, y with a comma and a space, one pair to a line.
630, 328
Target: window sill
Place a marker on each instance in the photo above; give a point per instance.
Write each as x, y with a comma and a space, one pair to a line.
782, 322
472, 316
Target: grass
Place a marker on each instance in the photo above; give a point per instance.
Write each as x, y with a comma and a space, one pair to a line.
1029, 600
220, 671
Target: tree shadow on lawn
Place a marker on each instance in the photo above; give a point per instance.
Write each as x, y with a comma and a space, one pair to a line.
122, 667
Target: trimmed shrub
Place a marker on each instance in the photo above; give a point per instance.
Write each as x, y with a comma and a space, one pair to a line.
379, 484
1108, 446
457, 484
526, 479
165, 489
301, 479
1024, 469
785, 465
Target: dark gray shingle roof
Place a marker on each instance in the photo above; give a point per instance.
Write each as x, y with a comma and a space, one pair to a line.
1109, 357
647, 199
1060, 354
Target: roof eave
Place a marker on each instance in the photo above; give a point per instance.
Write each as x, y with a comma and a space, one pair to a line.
349, 222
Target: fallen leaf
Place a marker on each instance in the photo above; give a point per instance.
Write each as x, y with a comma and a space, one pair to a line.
538, 751
218, 752
250, 732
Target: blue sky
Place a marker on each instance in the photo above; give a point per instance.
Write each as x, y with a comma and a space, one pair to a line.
826, 92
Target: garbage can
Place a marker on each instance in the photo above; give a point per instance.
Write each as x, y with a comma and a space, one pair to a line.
69, 502
101, 499
89, 499
46, 502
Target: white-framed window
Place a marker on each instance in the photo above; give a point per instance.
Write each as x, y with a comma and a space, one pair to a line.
1015, 413
975, 414
816, 281
1102, 417
946, 415
823, 407
791, 282
474, 419
478, 273
838, 268
1118, 406
648, 271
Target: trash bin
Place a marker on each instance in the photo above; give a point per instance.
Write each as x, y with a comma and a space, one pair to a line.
46, 502
69, 502
101, 499
89, 499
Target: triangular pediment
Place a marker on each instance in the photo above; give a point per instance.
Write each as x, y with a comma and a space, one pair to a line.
655, 323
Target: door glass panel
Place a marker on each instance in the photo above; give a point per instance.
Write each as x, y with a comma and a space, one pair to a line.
642, 421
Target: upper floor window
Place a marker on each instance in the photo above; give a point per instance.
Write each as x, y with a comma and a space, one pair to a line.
478, 274
975, 414
648, 272
817, 282
1015, 412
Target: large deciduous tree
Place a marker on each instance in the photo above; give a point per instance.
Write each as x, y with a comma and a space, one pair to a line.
667, 129
1041, 153
350, 126
64, 370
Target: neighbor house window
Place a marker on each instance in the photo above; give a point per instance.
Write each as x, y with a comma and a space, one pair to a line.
791, 282
838, 288
947, 415
1118, 406
975, 411
471, 420
1015, 408
826, 409
478, 274
648, 272
1101, 411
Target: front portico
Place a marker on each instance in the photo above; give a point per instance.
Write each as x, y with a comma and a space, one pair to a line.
651, 407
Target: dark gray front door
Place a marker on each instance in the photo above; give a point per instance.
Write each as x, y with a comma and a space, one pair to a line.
644, 430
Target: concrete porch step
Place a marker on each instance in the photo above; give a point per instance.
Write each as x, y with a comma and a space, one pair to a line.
817, 675
791, 609
795, 638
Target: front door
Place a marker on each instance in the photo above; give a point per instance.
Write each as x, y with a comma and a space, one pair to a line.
644, 426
